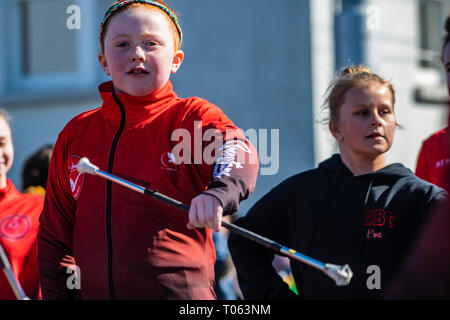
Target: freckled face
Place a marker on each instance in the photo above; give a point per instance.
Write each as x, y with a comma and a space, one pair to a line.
139, 52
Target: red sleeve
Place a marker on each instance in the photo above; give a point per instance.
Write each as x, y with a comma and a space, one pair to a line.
234, 174
422, 167
229, 161
55, 238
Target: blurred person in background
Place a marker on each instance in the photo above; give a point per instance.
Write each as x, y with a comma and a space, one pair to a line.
35, 170
19, 223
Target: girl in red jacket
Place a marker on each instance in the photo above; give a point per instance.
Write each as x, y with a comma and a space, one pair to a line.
19, 222
125, 245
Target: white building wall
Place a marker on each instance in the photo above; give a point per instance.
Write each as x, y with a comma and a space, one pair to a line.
323, 66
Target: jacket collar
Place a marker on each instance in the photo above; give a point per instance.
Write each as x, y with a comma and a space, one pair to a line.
136, 108
8, 191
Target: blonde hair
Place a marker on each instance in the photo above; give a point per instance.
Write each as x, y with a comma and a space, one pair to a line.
350, 77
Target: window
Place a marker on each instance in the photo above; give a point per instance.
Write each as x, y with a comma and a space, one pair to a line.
43, 57
431, 84
432, 15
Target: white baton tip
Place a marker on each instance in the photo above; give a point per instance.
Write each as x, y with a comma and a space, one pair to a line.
84, 166
340, 274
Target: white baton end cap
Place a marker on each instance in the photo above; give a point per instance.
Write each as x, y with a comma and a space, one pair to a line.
340, 274
84, 166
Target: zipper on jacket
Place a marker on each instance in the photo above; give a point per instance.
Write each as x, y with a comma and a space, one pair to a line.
112, 152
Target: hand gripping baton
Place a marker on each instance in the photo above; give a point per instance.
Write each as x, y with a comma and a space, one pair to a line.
15, 285
340, 274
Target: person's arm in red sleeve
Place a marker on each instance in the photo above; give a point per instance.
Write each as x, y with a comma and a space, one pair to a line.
55, 237
232, 176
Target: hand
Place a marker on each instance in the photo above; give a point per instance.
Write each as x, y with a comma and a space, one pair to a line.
205, 212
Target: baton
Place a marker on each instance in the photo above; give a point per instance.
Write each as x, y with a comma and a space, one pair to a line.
15, 285
340, 274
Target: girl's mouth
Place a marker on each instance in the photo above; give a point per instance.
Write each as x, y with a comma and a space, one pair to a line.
375, 135
138, 71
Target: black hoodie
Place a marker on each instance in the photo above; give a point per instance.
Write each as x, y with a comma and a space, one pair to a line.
335, 217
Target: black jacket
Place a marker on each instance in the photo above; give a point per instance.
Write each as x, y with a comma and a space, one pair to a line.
335, 217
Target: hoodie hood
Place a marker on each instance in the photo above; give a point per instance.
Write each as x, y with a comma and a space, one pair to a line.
393, 171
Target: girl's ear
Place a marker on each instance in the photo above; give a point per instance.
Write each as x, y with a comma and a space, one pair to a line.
103, 63
177, 60
335, 130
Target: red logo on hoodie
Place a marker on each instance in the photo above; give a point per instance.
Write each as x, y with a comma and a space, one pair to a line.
76, 179
15, 227
378, 218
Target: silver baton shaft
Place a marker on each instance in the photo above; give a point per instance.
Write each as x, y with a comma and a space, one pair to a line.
340, 274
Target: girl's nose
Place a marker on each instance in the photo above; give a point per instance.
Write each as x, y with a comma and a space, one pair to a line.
138, 54
376, 122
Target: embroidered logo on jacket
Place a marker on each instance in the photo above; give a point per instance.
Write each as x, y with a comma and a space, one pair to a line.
229, 159
378, 220
76, 179
168, 161
15, 227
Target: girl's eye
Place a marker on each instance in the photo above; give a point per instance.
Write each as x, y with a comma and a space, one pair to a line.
122, 44
362, 113
151, 43
386, 110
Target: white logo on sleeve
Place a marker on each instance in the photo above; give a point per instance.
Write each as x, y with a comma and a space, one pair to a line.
228, 160
76, 179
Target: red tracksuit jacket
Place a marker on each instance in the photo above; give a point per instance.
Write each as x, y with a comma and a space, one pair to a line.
127, 245
19, 224
434, 159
